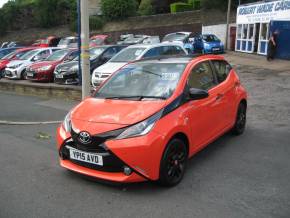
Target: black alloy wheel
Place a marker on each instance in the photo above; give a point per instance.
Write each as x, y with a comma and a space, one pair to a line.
173, 163
23, 74
241, 120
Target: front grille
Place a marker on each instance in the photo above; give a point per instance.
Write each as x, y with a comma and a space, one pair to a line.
111, 163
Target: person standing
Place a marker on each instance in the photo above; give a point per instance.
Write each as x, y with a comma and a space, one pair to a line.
272, 46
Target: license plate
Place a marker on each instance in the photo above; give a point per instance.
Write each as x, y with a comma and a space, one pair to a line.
215, 49
58, 76
85, 156
29, 74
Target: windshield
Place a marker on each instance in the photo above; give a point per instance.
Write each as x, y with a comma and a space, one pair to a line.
9, 56
210, 38
174, 37
127, 55
95, 52
143, 80
97, 41
5, 52
58, 55
64, 41
28, 55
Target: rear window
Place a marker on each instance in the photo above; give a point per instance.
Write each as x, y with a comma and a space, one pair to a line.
222, 69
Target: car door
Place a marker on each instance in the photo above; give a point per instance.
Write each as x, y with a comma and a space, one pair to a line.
203, 114
226, 89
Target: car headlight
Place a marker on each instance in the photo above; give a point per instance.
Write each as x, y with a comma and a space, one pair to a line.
16, 66
67, 123
206, 45
141, 128
44, 68
75, 69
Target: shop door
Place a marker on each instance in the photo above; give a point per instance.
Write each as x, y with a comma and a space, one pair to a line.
263, 38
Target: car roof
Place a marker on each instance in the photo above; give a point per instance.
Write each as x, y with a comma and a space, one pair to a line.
177, 59
148, 46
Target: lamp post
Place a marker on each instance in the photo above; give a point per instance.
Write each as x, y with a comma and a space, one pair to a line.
228, 22
85, 55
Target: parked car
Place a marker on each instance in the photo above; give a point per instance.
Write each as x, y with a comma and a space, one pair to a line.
68, 42
208, 43
150, 117
50, 41
12, 56
67, 73
140, 39
6, 51
132, 53
184, 38
98, 40
43, 71
10, 44
17, 69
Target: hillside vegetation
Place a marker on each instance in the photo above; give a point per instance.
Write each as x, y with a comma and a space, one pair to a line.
25, 14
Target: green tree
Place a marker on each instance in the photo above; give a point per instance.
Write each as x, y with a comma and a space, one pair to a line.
146, 8
118, 9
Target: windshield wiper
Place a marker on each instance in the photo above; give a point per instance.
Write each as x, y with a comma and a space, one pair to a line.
149, 72
139, 97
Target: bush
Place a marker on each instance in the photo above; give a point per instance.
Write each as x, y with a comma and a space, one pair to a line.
96, 23
3, 25
195, 4
116, 9
180, 7
146, 8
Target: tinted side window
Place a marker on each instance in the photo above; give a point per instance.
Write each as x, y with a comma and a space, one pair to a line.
152, 53
222, 69
110, 52
171, 50
201, 77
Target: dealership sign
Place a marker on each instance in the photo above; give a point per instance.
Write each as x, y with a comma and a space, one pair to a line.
264, 12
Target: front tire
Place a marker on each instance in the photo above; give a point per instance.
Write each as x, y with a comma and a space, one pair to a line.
23, 75
173, 163
241, 119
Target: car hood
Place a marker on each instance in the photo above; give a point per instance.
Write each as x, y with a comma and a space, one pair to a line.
44, 63
16, 62
215, 43
110, 67
68, 65
121, 112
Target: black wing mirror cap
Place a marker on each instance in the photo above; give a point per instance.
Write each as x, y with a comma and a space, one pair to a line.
196, 94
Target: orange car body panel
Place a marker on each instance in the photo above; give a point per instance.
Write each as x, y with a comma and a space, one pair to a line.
201, 121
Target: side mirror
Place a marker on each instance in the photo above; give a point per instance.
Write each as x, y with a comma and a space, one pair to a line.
196, 94
37, 58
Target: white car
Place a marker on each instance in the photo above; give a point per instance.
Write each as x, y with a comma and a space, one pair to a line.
132, 53
68, 42
16, 69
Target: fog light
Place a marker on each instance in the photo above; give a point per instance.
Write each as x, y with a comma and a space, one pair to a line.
127, 171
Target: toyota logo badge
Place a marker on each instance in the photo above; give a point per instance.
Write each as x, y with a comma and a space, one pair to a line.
85, 137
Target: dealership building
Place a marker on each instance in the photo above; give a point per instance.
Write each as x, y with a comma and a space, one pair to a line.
256, 22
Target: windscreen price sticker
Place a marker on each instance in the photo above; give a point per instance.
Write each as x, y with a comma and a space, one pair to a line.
169, 76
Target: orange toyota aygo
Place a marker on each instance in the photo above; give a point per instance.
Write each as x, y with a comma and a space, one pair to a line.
150, 117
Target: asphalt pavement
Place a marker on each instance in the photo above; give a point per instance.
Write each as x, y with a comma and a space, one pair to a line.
244, 176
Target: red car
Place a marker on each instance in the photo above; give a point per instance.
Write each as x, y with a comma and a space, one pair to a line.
12, 56
150, 117
50, 41
43, 71
98, 40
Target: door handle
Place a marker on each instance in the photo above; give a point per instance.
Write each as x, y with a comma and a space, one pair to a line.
219, 96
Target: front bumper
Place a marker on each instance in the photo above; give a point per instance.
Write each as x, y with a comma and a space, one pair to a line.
44, 76
12, 73
66, 79
141, 154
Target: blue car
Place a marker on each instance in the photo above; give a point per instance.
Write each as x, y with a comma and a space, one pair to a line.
208, 44
6, 51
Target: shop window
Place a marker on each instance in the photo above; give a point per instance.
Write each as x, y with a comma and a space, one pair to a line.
251, 31
264, 31
245, 31
239, 31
